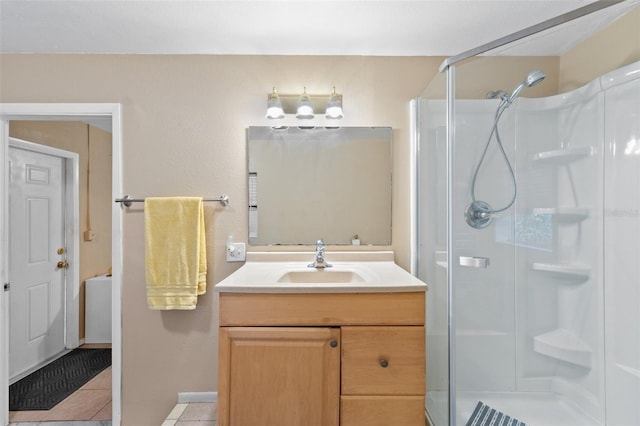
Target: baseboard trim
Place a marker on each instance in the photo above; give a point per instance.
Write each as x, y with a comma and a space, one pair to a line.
189, 397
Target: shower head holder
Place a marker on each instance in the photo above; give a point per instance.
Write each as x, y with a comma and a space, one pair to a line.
478, 214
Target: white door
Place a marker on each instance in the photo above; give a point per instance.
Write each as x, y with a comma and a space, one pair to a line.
37, 244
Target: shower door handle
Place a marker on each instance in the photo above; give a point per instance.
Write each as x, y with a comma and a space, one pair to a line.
474, 262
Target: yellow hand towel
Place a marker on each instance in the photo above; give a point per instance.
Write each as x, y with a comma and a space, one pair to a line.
175, 252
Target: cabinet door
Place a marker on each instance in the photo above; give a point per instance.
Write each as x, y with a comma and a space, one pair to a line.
279, 376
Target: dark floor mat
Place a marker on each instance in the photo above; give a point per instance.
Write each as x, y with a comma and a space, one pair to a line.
483, 415
46, 387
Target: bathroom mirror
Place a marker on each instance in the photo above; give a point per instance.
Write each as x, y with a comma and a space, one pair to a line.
311, 183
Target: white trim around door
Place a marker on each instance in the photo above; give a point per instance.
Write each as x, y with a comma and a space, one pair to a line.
62, 112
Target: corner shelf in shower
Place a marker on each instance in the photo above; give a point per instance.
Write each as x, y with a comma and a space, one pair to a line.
563, 270
563, 214
563, 345
562, 156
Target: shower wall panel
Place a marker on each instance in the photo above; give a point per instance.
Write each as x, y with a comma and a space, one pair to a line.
484, 298
622, 245
432, 228
559, 240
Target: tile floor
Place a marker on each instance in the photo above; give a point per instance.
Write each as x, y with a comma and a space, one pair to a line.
183, 414
92, 403
65, 423
91, 406
192, 414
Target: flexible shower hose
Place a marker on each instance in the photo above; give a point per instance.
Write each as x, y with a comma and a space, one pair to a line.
504, 104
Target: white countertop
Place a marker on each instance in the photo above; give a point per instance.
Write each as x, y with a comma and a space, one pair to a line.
372, 272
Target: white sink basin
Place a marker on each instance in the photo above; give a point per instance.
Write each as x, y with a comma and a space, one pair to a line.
352, 272
321, 276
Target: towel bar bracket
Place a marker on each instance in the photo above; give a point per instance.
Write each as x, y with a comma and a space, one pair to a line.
127, 200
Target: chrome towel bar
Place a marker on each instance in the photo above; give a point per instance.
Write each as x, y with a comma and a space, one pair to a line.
127, 201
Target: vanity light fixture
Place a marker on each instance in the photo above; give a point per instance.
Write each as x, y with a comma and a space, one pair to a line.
305, 107
334, 106
274, 106
280, 106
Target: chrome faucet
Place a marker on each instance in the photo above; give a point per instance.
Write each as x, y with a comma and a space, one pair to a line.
319, 261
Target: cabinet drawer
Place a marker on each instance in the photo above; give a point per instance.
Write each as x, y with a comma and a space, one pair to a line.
382, 410
383, 360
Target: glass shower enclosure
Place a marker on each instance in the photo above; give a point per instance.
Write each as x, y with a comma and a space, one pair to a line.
533, 309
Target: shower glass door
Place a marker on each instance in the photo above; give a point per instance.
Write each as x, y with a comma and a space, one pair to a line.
483, 250
430, 118
524, 303
527, 278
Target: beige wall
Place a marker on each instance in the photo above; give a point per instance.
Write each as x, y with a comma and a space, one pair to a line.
95, 255
184, 129
479, 75
615, 46
618, 44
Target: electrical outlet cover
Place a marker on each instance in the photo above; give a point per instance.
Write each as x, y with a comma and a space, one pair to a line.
236, 252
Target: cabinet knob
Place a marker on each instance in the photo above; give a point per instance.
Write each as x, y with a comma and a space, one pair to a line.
333, 343
384, 363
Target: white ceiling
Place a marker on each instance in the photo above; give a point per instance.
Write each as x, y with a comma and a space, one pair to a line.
265, 27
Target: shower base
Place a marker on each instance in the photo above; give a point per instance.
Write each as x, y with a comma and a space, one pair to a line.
532, 408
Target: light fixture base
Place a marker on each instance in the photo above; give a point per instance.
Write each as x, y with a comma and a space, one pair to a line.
320, 102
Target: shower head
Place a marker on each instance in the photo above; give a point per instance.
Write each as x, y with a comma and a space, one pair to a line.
533, 78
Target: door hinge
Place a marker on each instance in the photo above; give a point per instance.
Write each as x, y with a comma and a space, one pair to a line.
7, 286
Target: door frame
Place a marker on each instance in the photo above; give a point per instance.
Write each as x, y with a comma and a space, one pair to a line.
64, 112
71, 216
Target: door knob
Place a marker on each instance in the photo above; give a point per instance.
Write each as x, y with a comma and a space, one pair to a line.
63, 264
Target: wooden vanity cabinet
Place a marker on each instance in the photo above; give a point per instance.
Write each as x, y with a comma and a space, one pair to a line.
321, 359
